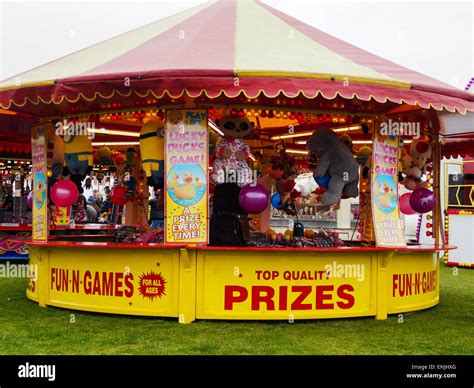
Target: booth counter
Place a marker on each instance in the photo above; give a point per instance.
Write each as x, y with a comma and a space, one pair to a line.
189, 283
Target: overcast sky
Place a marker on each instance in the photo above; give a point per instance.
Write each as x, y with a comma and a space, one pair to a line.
434, 38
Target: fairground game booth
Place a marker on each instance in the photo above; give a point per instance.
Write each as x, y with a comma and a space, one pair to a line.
260, 132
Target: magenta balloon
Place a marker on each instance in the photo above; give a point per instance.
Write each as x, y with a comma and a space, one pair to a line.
29, 199
404, 202
422, 200
254, 199
64, 193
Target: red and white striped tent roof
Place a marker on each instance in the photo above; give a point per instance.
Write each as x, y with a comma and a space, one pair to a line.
202, 50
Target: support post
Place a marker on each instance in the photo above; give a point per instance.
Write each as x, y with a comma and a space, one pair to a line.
187, 286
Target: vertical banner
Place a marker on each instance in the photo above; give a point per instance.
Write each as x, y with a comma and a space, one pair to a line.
186, 181
388, 227
40, 185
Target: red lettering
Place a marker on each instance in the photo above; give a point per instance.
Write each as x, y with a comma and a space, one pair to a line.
75, 281
53, 276
118, 283
341, 293
107, 283
394, 284
257, 297
298, 302
87, 282
283, 298
65, 280
129, 285
96, 290
321, 297
230, 298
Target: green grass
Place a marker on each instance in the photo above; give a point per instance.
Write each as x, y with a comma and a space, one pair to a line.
446, 329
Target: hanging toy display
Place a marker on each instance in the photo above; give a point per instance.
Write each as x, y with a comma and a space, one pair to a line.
257, 164
283, 170
232, 152
337, 160
78, 154
364, 158
152, 151
55, 154
130, 157
131, 184
415, 162
305, 183
231, 173
347, 141
104, 156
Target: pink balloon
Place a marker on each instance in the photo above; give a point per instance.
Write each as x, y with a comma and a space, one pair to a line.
29, 199
404, 202
254, 199
422, 200
64, 193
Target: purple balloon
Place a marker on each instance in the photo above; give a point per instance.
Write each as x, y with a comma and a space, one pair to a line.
254, 199
422, 200
29, 199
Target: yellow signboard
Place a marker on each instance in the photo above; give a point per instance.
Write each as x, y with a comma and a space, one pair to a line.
413, 283
40, 184
186, 181
388, 226
267, 285
124, 282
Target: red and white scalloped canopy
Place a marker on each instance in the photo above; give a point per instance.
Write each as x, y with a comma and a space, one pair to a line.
203, 49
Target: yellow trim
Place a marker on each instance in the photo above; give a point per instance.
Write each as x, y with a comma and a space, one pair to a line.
327, 77
28, 84
148, 92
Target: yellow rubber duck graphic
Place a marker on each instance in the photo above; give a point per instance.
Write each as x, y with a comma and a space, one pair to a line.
152, 150
197, 183
39, 192
385, 195
186, 190
173, 181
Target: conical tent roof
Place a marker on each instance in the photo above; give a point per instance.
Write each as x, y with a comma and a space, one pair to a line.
228, 47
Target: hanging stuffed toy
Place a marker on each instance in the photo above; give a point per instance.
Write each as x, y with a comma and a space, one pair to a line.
104, 156
78, 154
152, 151
414, 163
335, 159
364, 158
347, 141
232, 152
55, 154
229, 223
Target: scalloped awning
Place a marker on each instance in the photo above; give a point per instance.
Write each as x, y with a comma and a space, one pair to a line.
226, 47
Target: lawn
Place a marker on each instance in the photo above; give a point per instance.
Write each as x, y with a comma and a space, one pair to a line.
446, 329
